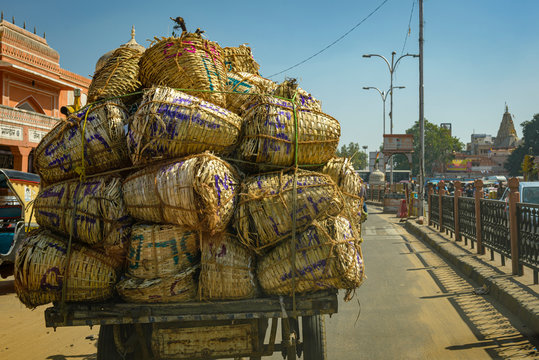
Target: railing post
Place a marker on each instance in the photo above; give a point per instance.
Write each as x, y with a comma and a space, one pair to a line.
429, 197
379, 186
514, 197
458, 194
478, 184
441, 192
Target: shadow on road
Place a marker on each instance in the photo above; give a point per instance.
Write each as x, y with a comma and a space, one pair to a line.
67, 357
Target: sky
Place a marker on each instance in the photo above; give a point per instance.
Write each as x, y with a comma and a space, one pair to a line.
478, 55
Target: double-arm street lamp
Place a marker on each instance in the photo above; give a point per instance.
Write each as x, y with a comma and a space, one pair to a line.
383, 94
391, 66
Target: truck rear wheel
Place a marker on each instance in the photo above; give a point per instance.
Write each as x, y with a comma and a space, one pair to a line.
314, 337
126, 336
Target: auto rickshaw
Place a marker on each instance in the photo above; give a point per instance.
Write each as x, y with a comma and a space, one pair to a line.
17, 191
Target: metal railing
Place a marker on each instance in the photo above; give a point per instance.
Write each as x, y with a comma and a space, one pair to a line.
510, 229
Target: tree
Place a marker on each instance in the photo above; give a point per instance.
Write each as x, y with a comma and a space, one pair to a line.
352, 150
440, 148
529, 146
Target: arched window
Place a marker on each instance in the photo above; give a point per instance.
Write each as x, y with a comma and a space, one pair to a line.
30, 104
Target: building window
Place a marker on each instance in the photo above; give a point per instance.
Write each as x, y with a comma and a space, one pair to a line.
26, 106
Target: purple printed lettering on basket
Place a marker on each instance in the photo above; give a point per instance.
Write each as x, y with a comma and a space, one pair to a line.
61, 162
225, 182
49, 193
206, 105
52, 147
57, 247
44, 284
318, 265
173, 288
165, 51
54, 219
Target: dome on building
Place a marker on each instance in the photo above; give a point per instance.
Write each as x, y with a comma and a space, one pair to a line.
130, 44
377, 178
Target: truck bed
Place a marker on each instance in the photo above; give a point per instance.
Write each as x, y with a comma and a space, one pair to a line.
109, 313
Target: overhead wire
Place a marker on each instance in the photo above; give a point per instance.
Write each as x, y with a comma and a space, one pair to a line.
334, 42
409, 27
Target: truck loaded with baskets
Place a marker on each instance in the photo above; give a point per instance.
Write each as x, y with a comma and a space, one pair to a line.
190, 202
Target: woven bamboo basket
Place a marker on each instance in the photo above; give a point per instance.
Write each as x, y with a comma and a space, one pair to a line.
161, 250
187, 62
328, 255
197, 192
180, 287
240, 59
227, 269
40, 271
265, 209
101, 218
59, 153
117, 77
170, 124
242, 86
270, 133
342, 172
289, 89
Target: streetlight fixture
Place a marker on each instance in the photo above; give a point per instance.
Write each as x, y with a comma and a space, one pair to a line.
383, 94
391, 66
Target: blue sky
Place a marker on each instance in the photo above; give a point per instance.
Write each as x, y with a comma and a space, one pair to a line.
479, 54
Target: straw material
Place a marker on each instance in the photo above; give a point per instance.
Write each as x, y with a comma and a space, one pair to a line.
118, 76
187, 62
328, 255
240, 59
270, 133
40, 268
197, 192
226, 269
180, 287
289, 89
59, 153
239, 85
101, 218
342, 172
170, 124
161, 250
265, 210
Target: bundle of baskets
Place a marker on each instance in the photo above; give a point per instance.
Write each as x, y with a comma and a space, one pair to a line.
195, 193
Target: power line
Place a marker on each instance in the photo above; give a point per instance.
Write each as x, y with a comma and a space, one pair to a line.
409, 28
333, 43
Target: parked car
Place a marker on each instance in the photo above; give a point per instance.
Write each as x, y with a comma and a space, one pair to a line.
529, 192
17, 191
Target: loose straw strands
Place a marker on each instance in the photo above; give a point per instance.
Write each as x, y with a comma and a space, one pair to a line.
187, 62
161, 250
117, 77
196, 192
227, 269
40, 266
240, 59
170, 124
328, 255
241, 86
180, 287
270, 134
348, 180
289, 89
265, 210
59, 153
101, 218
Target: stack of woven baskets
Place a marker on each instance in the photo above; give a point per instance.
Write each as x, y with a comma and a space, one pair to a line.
190, 177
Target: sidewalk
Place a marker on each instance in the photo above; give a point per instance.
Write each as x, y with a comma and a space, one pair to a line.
517, 293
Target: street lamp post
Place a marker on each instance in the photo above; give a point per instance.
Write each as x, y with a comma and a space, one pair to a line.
383, 94
366, 156
391, 68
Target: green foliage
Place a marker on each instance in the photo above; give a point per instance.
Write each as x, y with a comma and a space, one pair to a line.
352, 150
529, 146
440, 147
